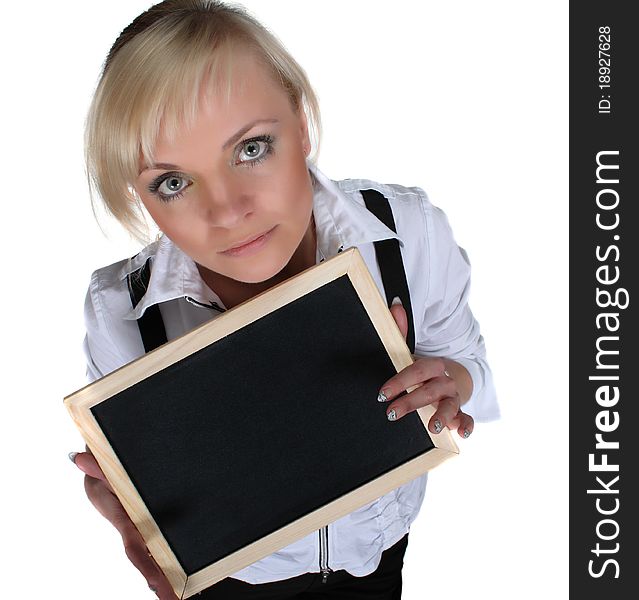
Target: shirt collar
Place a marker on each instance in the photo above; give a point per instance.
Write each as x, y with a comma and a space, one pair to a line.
342, 221
341, 218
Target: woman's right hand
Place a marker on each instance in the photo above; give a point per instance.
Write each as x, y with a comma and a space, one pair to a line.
101, 495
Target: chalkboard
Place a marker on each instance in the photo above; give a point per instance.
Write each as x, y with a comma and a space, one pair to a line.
260, 426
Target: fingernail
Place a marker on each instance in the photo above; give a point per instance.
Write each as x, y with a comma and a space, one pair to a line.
396, 300
72, 456
466, 433
154, 590
392, 415
382, 397
438, 426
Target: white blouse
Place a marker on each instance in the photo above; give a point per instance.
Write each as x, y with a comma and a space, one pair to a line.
438, 274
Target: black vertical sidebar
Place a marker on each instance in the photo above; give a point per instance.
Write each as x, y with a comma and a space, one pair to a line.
604, 296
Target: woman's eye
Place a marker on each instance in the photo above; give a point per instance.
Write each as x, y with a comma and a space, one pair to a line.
169, 187
172, 185
255, 149
252, 150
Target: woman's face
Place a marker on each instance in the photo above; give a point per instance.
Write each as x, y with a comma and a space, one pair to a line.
239, 172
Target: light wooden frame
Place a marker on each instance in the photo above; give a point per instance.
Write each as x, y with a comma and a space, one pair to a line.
80, 403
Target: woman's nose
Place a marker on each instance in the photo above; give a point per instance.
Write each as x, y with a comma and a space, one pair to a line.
225, 203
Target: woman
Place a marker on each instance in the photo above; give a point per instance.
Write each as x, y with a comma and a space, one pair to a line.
203, 118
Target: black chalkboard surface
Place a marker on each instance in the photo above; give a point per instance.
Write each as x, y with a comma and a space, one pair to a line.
225, 450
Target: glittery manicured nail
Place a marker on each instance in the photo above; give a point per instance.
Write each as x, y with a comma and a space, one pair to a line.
438, 426
382, 397
72, 456
466, 433
392, 415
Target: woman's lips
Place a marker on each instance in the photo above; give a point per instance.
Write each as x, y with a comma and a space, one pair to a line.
250, 247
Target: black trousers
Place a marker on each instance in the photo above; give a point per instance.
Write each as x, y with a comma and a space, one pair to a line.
385, 583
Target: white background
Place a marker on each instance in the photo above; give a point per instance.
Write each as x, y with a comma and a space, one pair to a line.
465, 99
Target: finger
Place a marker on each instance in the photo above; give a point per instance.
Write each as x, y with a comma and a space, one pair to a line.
111, 509
422, 370
138, 554
445, 415
462, 423
399, 314
85, 461
105, 501
431, 392
466, 424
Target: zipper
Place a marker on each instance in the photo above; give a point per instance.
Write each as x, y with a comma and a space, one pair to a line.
325, 570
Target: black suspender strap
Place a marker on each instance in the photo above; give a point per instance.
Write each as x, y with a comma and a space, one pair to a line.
150, 323
389, 259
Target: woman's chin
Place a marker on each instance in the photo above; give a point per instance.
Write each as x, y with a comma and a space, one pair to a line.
257, 271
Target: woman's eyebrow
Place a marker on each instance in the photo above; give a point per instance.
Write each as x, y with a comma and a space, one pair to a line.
234, 138
159, 166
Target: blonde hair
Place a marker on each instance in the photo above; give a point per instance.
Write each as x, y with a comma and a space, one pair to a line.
152, 78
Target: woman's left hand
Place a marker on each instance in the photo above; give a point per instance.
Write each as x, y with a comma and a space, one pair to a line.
438, 387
